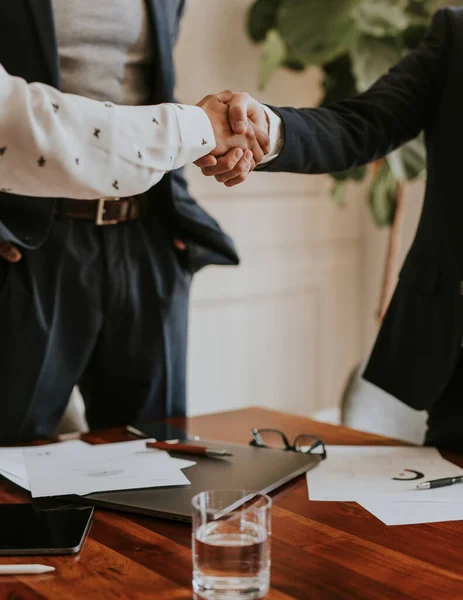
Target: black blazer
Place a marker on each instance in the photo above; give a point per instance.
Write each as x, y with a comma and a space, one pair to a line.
420, 339
28, 49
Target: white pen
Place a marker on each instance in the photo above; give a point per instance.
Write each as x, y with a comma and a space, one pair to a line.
25, 569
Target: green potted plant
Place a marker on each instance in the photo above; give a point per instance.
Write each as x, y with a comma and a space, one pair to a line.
354, 42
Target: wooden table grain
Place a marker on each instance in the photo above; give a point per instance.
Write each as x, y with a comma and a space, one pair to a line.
320, 550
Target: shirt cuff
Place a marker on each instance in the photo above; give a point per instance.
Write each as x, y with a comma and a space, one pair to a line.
196, 134
275, 133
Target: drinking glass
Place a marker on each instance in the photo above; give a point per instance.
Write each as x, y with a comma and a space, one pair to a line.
231, 545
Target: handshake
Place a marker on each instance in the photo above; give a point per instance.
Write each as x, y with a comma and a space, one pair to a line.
241, 130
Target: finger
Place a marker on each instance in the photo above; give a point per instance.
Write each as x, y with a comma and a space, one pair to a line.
257, 152
240, 178
242, 167
9, 252
206, 161
179, 245
225, 96
237, 112
263, 140
224, 163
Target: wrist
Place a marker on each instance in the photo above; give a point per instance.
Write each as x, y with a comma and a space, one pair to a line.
217, 129
275, 133
267, 120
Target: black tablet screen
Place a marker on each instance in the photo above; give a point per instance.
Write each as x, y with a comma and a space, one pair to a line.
24, 530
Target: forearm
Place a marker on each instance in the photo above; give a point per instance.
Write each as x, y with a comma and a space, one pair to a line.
61, 145
362, 129
330, 140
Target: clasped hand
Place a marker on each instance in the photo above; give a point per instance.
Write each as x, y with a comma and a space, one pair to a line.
241, 131
241, 128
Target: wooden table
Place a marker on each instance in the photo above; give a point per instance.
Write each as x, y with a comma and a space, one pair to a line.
320, 550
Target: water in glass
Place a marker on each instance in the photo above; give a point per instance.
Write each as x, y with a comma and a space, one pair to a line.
231, 555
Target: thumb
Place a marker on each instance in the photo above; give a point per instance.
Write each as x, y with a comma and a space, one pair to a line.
9, 252
263, 140
238, 113
224, 96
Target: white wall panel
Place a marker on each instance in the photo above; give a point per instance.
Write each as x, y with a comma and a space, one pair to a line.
284, 328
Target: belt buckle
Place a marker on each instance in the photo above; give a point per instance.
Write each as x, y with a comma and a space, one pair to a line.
100, 211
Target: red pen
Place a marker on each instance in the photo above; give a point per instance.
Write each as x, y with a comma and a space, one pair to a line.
188, 449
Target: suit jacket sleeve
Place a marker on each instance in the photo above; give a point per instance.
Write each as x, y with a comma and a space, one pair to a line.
369, 126
61, 145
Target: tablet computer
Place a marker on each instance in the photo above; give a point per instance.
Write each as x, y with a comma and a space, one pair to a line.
24, 530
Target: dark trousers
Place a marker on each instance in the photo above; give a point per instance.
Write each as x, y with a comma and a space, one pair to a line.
103, 307
445, 421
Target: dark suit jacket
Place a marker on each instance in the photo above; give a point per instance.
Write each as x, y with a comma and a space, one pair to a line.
28, 49
419, 342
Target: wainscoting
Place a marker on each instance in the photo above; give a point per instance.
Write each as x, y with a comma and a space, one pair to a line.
285, 328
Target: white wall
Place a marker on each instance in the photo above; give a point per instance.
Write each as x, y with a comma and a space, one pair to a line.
283, 329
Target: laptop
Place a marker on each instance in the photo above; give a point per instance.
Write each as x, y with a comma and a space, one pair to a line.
251, 469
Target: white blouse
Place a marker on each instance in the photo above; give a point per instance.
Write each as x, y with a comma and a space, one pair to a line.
62, 145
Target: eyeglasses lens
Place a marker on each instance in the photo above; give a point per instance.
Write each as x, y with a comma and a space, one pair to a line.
272, 439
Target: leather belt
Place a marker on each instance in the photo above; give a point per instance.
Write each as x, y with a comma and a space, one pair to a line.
106, 211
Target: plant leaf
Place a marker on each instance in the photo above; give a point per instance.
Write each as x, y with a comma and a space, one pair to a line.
382, 18
413, 157
294, 65
419, 13
396, 165
415, 33
409, 161
339, 82
383, 196
273, 56
373, 57
442, 3
421, 9
317, 31
261, 18
356, 174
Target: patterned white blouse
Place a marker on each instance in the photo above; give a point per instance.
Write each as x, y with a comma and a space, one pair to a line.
61, 145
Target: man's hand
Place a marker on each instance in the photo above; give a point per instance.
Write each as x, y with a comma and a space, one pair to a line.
9, 252
241, 144
244, 114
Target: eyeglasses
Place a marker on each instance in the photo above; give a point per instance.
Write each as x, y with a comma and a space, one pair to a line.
274, 438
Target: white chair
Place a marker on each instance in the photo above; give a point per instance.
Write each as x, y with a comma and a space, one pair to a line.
366, 407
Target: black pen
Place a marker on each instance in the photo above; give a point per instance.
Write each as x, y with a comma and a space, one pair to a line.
435, 483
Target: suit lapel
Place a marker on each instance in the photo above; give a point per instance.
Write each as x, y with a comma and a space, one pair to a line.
42, 13
164, 75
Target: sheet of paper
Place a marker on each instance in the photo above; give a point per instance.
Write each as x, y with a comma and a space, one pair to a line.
391, 473
17, 480
12, 463
107, 467
409, 513
136, 446
121, 448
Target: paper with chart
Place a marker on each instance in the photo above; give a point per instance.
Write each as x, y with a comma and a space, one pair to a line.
103, 467
12, 463
388, 473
